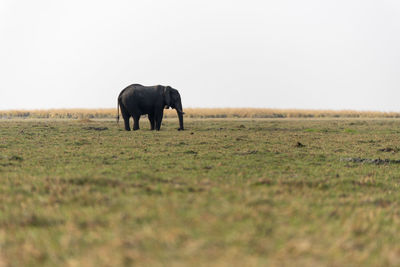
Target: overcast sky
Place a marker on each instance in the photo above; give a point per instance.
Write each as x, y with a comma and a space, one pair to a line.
338, 54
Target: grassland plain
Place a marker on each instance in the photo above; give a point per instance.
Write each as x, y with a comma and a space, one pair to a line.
229, 192
201, 113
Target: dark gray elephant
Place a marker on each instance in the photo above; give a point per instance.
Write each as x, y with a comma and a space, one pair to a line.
136, 100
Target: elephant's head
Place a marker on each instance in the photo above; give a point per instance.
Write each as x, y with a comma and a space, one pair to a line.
172, 99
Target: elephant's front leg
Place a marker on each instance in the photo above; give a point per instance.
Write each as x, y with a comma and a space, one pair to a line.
158, 119
136, 122
151, 119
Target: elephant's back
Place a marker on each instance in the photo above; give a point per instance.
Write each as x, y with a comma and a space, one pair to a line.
136, 92
129, 91
137, 88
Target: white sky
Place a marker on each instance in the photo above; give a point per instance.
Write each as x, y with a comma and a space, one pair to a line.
338, 54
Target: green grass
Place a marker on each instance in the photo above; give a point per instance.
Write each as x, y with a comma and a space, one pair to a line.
222, 193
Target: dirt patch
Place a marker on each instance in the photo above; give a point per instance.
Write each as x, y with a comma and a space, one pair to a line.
249, 152
31, 220
191, 152
389, 149
101, 182
299, 145
371, 161
95, 128
86, 120
16, 158
263, 181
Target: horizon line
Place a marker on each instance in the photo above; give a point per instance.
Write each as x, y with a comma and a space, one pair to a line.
210, 108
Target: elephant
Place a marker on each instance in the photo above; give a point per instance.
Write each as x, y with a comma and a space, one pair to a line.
136, 100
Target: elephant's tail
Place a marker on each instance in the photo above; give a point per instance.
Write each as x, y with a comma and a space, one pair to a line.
118, 112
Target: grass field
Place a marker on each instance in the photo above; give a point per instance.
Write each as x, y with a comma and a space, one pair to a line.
254, 113
228, 192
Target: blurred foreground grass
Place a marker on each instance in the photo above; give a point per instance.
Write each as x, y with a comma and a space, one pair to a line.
222, 193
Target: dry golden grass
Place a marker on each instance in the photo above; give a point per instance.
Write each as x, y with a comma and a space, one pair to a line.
202, 113
60, 113
282, 113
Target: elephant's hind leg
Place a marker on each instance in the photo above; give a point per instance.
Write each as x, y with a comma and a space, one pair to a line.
136, 122
127, 127
126, 117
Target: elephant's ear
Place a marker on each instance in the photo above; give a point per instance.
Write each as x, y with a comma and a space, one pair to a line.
167, 96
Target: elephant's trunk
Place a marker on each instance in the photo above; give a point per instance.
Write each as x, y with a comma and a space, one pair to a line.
180, 116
